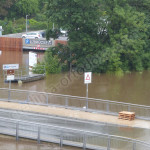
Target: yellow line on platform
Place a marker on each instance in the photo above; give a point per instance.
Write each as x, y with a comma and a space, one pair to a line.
75, 114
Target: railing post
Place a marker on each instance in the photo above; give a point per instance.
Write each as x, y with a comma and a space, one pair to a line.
47, 99
61, 140
9, 94
38, 138
108, 143
17, 131
28, 98
66, 102
134, 145
84, 141
107, 107
129, 108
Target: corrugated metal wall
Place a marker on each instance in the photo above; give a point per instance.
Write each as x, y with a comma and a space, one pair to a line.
10, 44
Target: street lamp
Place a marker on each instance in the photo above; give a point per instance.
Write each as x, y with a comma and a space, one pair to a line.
26, 23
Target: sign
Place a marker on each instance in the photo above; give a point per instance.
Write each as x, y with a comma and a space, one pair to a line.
87, 77
27, 41
10, 66
10, 77
10, 72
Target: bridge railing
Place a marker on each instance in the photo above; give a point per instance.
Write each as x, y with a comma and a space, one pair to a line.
73, 102
68, 136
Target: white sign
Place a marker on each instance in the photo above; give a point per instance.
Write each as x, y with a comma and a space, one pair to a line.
87, 77
10, 77
10, 66
32, 59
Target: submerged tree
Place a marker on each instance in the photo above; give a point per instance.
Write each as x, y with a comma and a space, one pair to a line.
82, 20
117, 30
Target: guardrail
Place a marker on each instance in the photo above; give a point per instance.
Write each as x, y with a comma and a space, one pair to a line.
73, 102
68, 136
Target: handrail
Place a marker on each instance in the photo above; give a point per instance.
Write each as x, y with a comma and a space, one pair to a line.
76, 97
73, 130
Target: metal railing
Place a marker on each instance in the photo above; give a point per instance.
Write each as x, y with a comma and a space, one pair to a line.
68, 136
73, 102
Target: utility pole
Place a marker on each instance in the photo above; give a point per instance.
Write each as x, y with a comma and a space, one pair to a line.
26, 23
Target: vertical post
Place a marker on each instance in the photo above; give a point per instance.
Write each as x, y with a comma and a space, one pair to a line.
17, 131
87, 96
66, 102
26, 23
28, 98
47, 99
9, 91
87, 80
108, 143
38, 138
61, 140
84, 141
129, 108
107, 107
9, 84
134, 146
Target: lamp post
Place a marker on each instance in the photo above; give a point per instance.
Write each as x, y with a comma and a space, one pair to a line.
26, 23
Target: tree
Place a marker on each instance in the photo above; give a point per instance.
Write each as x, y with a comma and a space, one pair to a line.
117, 30
24, 7
51, 63
82, 20
127, 33
4, 6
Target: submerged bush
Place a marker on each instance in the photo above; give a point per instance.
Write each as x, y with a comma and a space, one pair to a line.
39, 68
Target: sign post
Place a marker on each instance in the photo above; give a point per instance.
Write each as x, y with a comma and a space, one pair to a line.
10, 68
87, 80
10, 76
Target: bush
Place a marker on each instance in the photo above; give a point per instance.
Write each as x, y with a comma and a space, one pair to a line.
37, 25
51, 63
39, 68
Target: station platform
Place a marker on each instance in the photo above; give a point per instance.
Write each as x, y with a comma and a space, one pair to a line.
97, 117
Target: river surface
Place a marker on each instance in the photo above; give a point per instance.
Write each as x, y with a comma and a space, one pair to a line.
132, 88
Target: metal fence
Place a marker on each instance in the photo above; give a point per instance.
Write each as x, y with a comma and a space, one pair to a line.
68, 136
73, 102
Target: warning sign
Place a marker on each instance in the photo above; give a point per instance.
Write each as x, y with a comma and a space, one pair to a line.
87, 77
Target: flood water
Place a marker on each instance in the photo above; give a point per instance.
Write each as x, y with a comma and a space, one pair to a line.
10, 143
132, 88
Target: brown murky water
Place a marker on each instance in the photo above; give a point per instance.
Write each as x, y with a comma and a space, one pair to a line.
132, 88
10, 143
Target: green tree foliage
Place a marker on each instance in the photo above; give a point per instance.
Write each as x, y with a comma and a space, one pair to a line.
5, 5
127, 33
82, 21
51, 63
26, 7
118, 30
